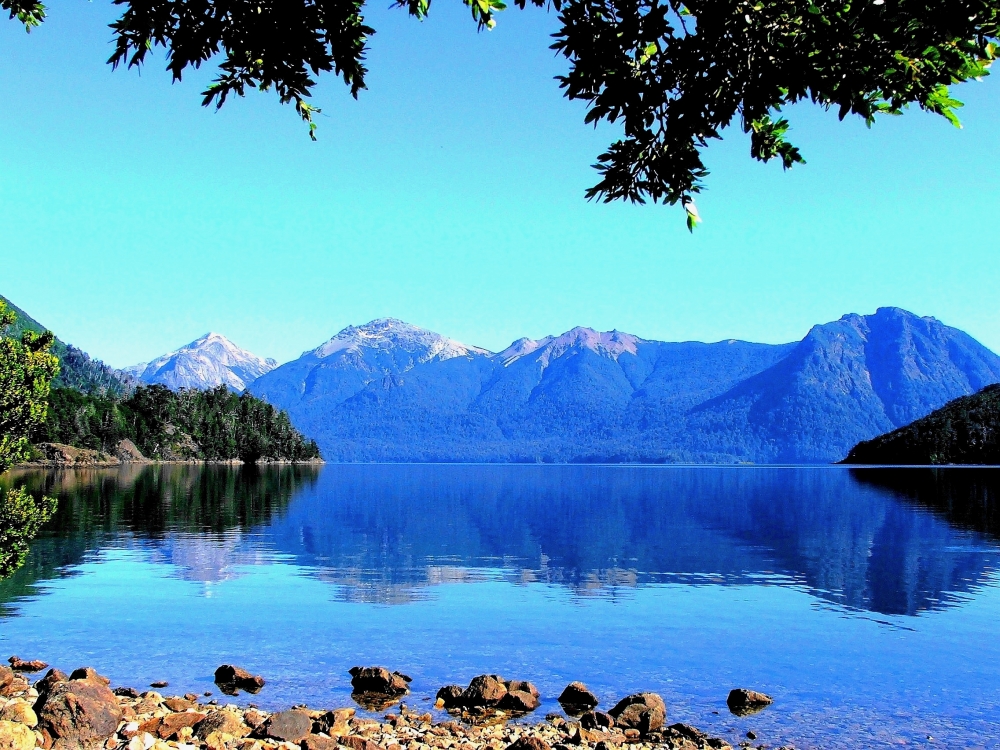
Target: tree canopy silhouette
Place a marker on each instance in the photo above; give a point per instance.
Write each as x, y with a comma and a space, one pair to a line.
673, 74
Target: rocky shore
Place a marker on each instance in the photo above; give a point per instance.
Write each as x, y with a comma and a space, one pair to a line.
82, 711
62, 456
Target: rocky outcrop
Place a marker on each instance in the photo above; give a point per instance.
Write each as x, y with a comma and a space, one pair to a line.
376, 688
60, 455
743, 702
642, 711
231, 679
79, 713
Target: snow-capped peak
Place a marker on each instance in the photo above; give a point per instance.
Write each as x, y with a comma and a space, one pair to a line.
207, 362
391, 333
608, 344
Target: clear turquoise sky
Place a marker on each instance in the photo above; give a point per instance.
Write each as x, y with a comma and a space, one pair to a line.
451, 195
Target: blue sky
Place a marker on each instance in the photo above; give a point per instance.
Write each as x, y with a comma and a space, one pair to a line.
451, 195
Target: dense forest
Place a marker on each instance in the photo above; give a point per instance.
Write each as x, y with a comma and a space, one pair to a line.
963, 431
213, 425
76, 368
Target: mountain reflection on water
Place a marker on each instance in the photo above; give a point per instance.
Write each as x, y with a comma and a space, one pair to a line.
895, 542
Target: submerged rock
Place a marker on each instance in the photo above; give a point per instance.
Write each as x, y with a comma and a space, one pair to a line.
450, 696
379, 680
231, 679
642, 711
577, 697
484, 690
20, 665
79, 713
743, 702
520, 701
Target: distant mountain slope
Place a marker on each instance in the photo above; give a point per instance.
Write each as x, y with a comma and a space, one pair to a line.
205, 363
392, 391
964, 431
850, 380
76, 368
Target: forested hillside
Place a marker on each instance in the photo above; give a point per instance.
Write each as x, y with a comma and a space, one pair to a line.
963, 431
213, 425
76, 368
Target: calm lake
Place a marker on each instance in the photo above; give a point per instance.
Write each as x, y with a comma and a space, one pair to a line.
866, 601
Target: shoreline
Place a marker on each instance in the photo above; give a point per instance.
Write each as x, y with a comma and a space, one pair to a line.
62, 456
83, 711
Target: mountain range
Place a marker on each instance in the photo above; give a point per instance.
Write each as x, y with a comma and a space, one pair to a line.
391, 391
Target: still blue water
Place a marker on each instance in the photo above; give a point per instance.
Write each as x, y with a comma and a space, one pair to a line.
865, 601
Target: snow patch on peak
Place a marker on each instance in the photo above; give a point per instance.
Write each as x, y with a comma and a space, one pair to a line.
207, 362
607, 343
392, 333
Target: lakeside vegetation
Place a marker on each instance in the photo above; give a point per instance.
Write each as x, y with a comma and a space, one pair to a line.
963, 431
212, 425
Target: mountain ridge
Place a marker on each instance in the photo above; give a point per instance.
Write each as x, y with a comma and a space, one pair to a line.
587, 395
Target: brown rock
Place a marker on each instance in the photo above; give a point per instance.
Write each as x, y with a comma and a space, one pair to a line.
89, 673
14, 736
450, 696
254, 718
222, 721
358, 743
519, 700
126, 692
171, 724
231, 679
79, 713
597, 720
529, 743
334, 723
742, 702
6, 677
522, 685
21, 712
178, 704
315, 742
576, 694
159, 684
642, 711
287, 726
17, 686
684, 735
484, 690
378, 680
20, 665
52, 677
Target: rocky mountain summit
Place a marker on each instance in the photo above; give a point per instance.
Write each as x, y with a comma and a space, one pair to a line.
207, 362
